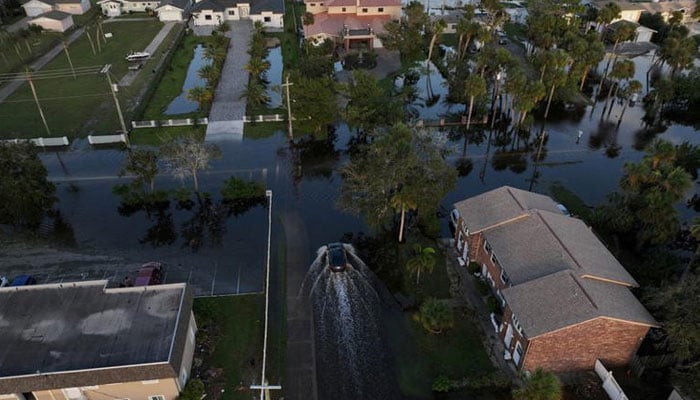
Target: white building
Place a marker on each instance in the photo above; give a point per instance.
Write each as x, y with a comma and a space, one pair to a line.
168, 10
213, 12
34, 8
54, 21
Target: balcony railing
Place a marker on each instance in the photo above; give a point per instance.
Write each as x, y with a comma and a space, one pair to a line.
366, 31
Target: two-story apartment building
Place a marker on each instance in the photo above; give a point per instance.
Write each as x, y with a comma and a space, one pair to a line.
350, 21
83, 341
565, 298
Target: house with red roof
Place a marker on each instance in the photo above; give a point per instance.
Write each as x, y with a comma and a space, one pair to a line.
350, 22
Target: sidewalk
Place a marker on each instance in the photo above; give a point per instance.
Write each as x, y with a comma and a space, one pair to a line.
300, 359
7, 90
466, 286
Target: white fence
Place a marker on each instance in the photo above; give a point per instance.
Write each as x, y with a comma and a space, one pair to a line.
43, 142
263, 118
169, 122
610, 385
106, 139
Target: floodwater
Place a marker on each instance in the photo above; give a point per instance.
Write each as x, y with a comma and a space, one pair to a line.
231, 259
181, 104
274, 76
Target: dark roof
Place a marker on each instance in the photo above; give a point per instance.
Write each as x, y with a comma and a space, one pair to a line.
57, 15
181, 4
559, 271
81, 334
500, 205
256, 6
562, 299
52, 2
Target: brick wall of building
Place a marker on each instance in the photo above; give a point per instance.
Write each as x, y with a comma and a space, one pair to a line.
577, 347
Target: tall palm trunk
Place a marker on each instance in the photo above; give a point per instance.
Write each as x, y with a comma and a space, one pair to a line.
403, 219
607, 99
622, 114
614, 96
469, 113
549, 101
583, 78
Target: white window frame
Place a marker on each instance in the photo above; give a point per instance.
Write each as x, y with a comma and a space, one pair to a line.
516, 324
150, 382
504, 277
156, 397
487, 247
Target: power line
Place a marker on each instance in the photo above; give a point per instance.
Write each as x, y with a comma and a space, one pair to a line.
58, 98
49, 71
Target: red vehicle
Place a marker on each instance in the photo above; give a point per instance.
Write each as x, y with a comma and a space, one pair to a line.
151, 273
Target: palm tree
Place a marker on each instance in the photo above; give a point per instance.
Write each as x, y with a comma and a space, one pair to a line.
255, 93
403, 201
437, 28
678, 53
256, 67
209, 73
540, 385
423, 260
435, 315
606, 15
215, 53
621, 70
556, 74
474, 86
624, 32
631, 89
203, 96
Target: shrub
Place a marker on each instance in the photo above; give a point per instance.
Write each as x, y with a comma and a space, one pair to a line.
435, 315
442, 384
194, 390
473, 267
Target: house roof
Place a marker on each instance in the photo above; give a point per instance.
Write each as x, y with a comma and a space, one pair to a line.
500, 205
181, 4
79, 334
54, 14
362, 3
650, 6
559, 272
333, 24
562, 299
52, 2
256, 6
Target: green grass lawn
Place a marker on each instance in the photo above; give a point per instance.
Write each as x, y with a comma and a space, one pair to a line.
421, 356
77, 107
170, 85
28, 49
572, 202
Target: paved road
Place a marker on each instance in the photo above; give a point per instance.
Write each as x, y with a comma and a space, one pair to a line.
228, 109
300, 368
152, 47
7, 90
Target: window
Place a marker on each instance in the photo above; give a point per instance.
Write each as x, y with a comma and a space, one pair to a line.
267, 19
143, 4
364, 10
156, 397
516, 324
321, 4
207, 17
504, 277
500, 297
493, 259
313, 4
343, 9
150, 382
231, 12
487, 247
380, 9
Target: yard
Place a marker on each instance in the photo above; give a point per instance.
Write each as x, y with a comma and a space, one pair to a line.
229, 346
75, 107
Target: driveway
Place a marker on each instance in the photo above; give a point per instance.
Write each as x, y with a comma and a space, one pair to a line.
228, 109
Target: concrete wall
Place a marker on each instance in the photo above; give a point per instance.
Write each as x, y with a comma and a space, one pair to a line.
75, 8
52, 24
140, 390
188, 355
269, 20
578, 346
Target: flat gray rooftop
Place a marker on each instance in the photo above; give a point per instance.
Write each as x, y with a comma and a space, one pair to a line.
75, 326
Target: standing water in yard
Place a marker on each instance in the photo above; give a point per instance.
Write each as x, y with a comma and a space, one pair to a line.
351, 361
274, 77
181, 104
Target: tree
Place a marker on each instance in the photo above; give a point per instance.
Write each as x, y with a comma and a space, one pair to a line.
188, 156
621, 70
422, 260
540, 385
402, 202
651, 188
474, 86
255, 93
633, 87
554, 63
194, 390
435, 315
405, 34
625, 31
678, 52
437, 27
223, 27
671, 304
25, 193
397, 161
144, 165
307, 19
256, 67
368, 107
202, 95
209, 73
606, 15
314, 106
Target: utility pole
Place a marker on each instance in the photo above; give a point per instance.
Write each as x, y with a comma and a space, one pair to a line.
105, 71
290, 132
36, 100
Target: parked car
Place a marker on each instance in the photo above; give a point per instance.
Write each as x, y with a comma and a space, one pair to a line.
337, 258
454, 217
23, 280
151, 273
4, 281
563, 209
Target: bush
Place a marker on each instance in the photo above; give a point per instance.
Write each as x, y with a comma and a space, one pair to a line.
435, 315
240, 195
194, 390
473, 267
482, 287
442, 384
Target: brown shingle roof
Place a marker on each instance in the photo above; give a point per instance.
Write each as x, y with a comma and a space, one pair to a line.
500, 205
